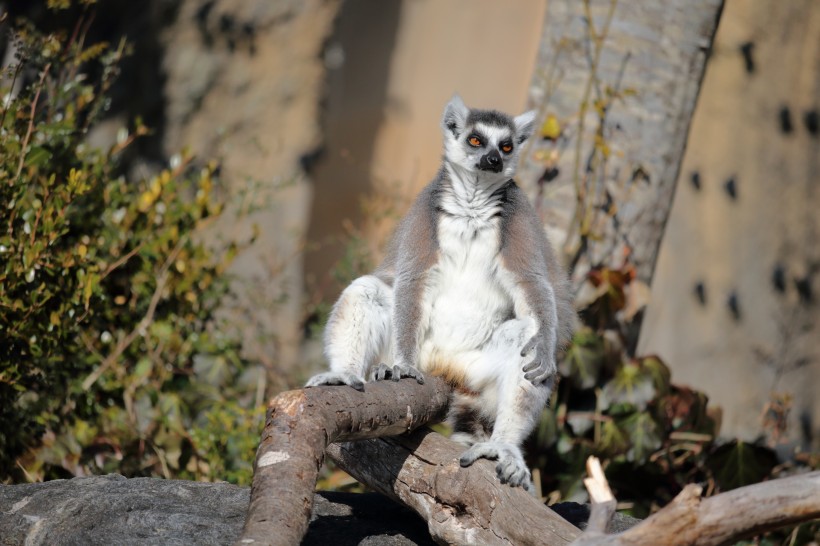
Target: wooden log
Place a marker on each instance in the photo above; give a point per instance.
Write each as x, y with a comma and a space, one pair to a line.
461, 505
299, 426
690, 520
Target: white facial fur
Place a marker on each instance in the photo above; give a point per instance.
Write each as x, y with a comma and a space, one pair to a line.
464, 159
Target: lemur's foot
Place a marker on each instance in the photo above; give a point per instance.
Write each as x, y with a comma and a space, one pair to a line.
511, 467
336, 378
396, 372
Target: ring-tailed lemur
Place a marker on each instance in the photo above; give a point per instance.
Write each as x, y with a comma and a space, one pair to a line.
470, 290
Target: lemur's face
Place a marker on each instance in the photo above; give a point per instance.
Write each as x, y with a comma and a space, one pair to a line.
485, 142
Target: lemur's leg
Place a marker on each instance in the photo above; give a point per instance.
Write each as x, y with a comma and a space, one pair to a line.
358, 333
518, 403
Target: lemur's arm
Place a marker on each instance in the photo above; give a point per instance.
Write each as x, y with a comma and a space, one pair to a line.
414, 252
526, 255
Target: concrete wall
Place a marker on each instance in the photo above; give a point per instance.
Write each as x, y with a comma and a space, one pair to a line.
735, 246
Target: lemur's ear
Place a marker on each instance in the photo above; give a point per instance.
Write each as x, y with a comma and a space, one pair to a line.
524, 124
455, 116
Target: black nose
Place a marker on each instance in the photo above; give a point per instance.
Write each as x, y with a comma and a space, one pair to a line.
491, 162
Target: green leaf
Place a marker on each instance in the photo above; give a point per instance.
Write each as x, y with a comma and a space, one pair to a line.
143, 368
162, 330
37, 156
170, 407
659, 372
738, 463
644, 436
631, 385
584, 359
613, 441
88, 290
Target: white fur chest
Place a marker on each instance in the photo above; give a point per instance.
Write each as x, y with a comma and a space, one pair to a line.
467, 300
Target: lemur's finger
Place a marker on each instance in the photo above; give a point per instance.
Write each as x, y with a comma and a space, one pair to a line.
529, 487
467, 459
355, 382
518, 478
382, 371
506, 469
480, 450
536, 377
417, 375
535, 364
529, 346
502, 476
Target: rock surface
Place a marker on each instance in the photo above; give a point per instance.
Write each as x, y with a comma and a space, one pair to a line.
111, 510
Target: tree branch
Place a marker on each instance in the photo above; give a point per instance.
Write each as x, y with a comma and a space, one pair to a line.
603, 501
460, 505
468, 505
722, 519
299, 426
420, 470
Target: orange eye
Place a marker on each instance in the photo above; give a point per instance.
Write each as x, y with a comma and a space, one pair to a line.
506, 148
474, 141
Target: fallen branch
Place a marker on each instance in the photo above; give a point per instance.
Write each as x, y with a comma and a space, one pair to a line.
468, 505
460, 505
722, 519
299, 426
421, 470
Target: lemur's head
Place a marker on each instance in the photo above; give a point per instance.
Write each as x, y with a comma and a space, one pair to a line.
484, 141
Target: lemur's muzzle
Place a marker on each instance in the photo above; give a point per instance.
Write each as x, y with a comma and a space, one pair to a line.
491, 162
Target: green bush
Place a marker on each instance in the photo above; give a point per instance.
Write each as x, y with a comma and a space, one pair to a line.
110, 356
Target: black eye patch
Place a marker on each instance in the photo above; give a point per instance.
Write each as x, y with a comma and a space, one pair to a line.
505, 146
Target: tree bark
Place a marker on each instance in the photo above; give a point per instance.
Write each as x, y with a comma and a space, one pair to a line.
460, 505
299, 426
724, 518
420, 470
619, 82
465, 505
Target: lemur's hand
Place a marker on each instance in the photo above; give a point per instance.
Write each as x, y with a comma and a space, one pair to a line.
542, 366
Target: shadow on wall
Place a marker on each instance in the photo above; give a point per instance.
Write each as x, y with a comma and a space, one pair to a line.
358, 59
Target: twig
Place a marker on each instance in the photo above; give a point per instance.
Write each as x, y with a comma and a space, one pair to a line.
121, 261
126, 342
30, 125
603, 501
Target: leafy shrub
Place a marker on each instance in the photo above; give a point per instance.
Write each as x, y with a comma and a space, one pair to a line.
110, 356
